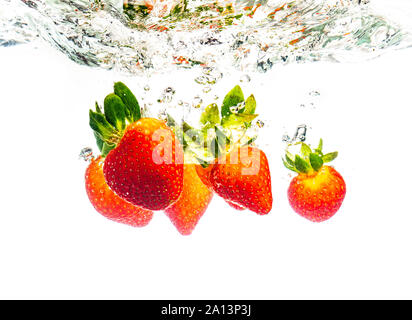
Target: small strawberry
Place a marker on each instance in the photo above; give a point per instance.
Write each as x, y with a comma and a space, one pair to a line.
141, 172
107, 203
186, 212
244, 179
144, 160
317, 192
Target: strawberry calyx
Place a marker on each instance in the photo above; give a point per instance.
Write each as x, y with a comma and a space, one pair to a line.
219, 129
308, 161
120, 109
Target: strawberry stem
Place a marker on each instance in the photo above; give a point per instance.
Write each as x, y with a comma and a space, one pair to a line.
308, 161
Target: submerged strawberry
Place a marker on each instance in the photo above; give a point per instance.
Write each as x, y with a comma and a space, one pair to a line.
144, 160
186, 212
244, 179
317, 192
107, 203
146, 167
235, 206
204, 175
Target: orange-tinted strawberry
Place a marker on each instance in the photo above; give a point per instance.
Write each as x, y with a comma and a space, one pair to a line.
317, 196
146, 166
107, 203
192, 203
204, 174
243, 178
317, 192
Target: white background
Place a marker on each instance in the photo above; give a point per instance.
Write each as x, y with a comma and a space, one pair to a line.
54, 245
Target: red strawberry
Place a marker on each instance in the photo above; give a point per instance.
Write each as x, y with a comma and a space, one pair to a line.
192, 203
244, 179
107, 203
146, 167
235, 206
318, 191
204, 175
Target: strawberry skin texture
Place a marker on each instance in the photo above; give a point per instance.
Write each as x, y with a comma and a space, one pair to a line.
133, 174
234, 205
204, 175
186, 212
318, 196
107, 203
250, 191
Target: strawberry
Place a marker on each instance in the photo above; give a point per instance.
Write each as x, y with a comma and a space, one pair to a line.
192, 203
144, 160
242, 177
234, 205
317, 192
204, 175
141, 172
107, 203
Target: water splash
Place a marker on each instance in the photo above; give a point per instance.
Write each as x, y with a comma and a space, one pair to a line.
247, 35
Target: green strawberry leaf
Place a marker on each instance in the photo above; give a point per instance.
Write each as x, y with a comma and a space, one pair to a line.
315, 161
236, 120
318, 150
233, 98
329, 156
250, 105
250, 141
222, 139
128, 98
289, 160
305, 150
290, 156
114, 110
210, 116
215, 148
99, 141
301, 165
98, 109
101, 126
106, 148
288, 165
170, 121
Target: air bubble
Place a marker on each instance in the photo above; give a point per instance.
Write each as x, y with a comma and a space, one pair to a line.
314, 93
197, 101
260, 123
86, 154
245, 78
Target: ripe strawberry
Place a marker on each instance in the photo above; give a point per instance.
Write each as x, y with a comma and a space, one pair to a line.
146, 167
244, 179
235, 206
107, 203
318, 191
144, 160
204, 175
186, 212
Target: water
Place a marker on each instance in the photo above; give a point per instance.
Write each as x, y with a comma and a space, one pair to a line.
205, 42
247, 35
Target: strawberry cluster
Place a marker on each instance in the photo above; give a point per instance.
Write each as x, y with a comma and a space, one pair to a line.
147, 165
